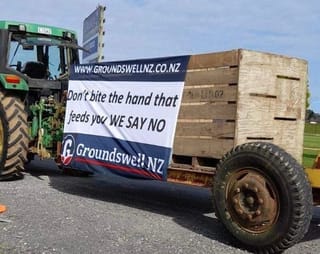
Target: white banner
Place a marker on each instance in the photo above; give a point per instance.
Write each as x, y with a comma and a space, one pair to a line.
143, 112
121, 116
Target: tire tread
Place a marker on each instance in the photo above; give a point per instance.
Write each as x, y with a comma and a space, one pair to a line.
15, 126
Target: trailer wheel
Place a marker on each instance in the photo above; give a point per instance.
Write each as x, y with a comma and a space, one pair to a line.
13, 136
262, 196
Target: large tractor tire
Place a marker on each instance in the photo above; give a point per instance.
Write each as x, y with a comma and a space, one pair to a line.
13, 136
263, 197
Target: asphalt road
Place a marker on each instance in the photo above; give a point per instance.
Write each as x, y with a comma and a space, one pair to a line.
49, 212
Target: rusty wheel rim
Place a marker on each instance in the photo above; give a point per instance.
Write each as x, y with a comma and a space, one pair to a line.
253, 200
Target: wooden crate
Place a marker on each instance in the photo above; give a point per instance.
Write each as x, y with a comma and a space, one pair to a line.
236, 97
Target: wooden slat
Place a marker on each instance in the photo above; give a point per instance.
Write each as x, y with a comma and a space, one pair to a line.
208, 111
212, 60
212, 148
214, 93
288, 112
214, 76
213, 129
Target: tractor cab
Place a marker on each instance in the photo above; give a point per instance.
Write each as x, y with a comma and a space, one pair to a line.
34, 64
38, 51
42, 56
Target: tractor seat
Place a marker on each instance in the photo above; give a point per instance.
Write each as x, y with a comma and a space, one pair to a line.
35, 70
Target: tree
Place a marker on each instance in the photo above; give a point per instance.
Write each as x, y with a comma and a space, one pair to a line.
308, 96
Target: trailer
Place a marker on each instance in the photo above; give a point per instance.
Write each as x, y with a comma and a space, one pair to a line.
238, 125
240, 131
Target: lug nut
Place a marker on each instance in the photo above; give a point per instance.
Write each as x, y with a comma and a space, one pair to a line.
260, 201
255, 189
258, 212
239, 211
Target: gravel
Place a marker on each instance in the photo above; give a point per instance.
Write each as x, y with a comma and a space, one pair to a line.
49, 212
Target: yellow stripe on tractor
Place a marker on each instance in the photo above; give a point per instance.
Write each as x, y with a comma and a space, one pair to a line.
314, 178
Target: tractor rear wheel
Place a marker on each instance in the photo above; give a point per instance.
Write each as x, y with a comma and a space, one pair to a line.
263, 197
13, 136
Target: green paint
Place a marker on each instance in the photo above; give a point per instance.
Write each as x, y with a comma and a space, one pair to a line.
21, 86
38, 29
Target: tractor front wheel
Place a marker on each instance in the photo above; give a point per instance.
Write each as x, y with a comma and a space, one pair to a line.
13, 136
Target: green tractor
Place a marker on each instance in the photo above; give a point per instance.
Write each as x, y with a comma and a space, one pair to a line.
34, 62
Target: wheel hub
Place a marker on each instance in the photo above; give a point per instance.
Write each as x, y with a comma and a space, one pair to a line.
252, 201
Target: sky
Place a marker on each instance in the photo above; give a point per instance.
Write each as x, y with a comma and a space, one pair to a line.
144, 28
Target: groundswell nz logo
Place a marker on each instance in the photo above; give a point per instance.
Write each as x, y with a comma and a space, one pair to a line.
68, 148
